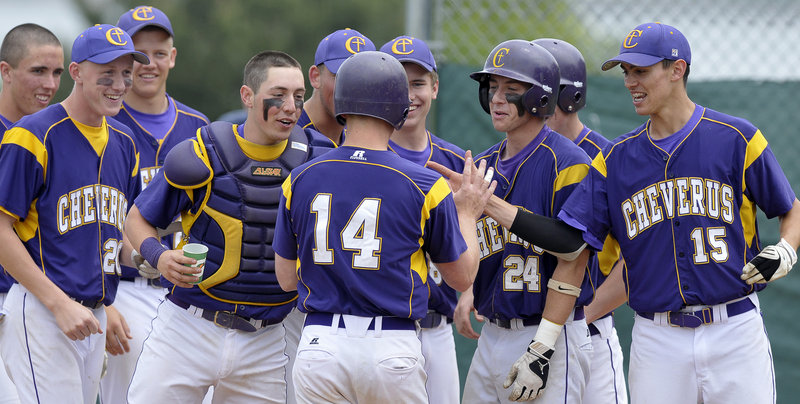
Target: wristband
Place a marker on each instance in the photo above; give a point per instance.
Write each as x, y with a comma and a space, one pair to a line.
547, 333
151, 250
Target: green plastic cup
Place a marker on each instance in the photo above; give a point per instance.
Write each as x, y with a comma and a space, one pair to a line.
199, 253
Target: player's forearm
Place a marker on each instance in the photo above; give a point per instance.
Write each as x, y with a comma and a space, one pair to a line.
559, 305
138, 229
790, 225
16, 261
610, 295
467, 264
286, 272
501, 211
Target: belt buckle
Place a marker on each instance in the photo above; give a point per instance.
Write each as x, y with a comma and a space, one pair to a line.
502, 323
226, 319
687, 320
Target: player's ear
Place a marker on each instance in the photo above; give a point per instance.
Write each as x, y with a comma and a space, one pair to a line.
173, 53
247, 96
313, 76
75, 72
435, 86
5, 71
677, 70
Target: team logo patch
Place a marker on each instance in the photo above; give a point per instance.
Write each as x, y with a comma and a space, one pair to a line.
314, 341
300, 146
632, 39
143, 13
674, 52
266, 171
354, 44
116, 36
358, 155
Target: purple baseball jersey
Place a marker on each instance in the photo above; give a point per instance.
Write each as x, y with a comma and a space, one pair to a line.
513, 274
443, 298
685, 221
306, 123
5, 279
71, 202
360, 222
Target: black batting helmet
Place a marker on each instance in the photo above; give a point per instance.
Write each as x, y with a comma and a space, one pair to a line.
526, 62
374, 84
572, 67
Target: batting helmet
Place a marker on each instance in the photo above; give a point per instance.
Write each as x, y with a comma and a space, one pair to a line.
374, 84
526, 62
572, 67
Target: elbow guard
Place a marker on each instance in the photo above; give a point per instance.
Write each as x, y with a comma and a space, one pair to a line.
552, 235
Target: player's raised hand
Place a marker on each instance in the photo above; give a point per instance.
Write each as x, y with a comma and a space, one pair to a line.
773, 262
76, 321
528, 375
453, 178
117, 332
173, 265
461, 316
475, 189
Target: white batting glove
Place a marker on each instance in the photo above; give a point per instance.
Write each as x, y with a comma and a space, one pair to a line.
145, 269
773, 262
528, 375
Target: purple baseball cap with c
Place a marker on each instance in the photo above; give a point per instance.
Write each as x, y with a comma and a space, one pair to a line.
409, 49
650, 43
103, 43
137, 18
335, 48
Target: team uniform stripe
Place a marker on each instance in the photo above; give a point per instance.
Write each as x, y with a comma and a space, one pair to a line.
599, 164
609, 255
28, 141
27, 229
571, 175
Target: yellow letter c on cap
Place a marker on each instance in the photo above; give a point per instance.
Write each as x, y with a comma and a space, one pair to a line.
143, 13
498, 56
631, 40
401, 44
118, 33
357, 41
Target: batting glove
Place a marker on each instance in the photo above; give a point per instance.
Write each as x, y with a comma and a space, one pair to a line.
528, 375
145, 269
773, 262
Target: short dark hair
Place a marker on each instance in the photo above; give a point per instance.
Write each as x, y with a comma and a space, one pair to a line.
255, 71
21, 38
666, 63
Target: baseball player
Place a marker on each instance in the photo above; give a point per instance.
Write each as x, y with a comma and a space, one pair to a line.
414, 142
158, 122
68, 174
361, 246
318, 111
679, 193
227, 331
31, 64
521, 290
607, 382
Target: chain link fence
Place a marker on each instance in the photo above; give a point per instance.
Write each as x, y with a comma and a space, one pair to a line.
744, 58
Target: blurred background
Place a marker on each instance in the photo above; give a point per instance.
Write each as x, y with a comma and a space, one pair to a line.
744, 62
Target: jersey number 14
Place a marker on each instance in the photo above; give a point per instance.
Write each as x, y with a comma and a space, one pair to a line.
359, 234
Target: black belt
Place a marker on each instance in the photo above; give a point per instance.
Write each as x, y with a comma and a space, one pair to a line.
91, 303
387, 323
433, 320
695, 319
533, 320
154, 282
226, 319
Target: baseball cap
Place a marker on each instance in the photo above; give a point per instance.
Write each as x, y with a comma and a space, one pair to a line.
650, 43
103, 43
335, 48
143, 16
409, 49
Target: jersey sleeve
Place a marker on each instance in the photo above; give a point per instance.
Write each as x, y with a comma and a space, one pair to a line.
765, 182
586, 208
159, 203
23, 162
285, 241
443, 234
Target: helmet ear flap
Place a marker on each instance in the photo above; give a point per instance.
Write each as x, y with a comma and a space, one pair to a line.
483, 93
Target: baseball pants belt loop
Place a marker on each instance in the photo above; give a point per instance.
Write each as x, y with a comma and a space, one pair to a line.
90, 303
387, 323
433, 320
224, 319
694, 319
139, 281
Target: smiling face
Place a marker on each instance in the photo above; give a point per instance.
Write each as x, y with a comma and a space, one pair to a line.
505, 114
650, 87
281, 95
33, 83
421, 90
104, 86
150, 80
